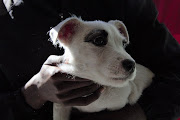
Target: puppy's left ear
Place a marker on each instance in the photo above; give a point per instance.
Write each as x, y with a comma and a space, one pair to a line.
121, 27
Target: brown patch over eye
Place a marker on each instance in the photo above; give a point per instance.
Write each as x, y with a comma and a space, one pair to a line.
97, 37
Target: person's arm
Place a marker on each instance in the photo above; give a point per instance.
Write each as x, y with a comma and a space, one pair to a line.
12, 101
47, 85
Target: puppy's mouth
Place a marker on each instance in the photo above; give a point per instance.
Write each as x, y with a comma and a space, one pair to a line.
121, 78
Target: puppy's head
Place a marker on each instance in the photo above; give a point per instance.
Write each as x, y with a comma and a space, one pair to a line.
96, 50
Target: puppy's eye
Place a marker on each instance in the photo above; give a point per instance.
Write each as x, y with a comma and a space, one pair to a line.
99, 41
124, 43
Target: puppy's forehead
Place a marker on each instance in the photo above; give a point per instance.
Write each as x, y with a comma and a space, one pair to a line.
96, 25
96, 32
96, 28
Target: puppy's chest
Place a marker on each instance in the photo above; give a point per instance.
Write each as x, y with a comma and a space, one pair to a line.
111, 99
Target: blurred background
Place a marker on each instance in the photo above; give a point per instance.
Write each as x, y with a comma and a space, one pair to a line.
169, 14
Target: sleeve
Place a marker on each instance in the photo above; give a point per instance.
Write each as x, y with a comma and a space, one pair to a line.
7, 5
3, 10
13, 104
161, 99
153, 46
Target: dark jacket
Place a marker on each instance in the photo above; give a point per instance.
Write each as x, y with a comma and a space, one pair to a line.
24, 46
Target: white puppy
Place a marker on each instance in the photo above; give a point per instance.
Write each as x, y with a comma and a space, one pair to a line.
95, 50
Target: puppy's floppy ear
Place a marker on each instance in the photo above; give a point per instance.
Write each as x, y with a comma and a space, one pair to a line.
121, 27
65, 30
68, 29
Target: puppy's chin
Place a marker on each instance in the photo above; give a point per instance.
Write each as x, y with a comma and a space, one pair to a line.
121, 82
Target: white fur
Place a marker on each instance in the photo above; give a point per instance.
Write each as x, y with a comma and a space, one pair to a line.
101, 65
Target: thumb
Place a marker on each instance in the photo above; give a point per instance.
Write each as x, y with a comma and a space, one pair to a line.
53, 60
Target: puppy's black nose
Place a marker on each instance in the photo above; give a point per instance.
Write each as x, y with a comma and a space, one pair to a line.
128, 65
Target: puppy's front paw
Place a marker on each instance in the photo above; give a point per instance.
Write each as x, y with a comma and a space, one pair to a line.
61, 112
135, 94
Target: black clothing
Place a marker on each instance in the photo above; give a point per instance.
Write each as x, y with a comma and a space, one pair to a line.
24, 46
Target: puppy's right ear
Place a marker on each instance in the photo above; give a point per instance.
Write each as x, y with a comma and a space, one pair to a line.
66, 30
121, 27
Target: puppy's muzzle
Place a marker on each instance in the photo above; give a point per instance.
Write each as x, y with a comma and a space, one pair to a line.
128, 65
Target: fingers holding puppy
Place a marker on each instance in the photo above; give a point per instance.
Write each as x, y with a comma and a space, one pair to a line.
52, 85
75, 93
84, 101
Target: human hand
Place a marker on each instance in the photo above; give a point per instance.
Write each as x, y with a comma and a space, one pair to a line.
52, 85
